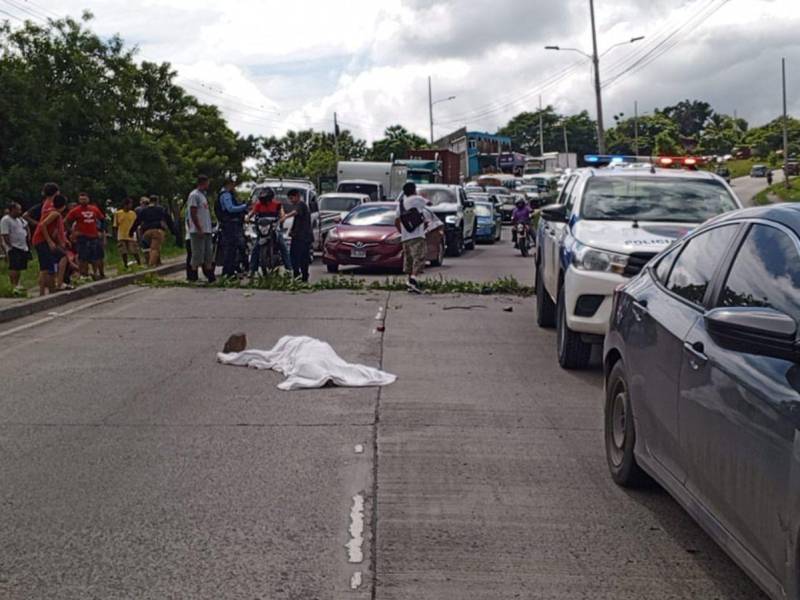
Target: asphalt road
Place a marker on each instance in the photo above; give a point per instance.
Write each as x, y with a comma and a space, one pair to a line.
135, 466
747, 187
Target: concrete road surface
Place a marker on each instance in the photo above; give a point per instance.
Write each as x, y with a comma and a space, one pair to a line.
132, 465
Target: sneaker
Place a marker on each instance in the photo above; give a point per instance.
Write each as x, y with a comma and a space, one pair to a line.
412, 287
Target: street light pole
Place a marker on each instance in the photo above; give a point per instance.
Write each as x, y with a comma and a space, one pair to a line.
601, 134
785, 132
636, 127
566, 143
430, 107
541, 128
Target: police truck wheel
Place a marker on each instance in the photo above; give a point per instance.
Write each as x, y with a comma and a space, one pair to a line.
545, 309
573, 352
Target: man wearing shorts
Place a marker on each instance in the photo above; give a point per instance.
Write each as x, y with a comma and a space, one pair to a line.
14, 236
124, 219
90, 247
50, 241
414, 245
200, 229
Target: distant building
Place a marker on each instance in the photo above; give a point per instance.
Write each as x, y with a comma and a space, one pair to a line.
479, 152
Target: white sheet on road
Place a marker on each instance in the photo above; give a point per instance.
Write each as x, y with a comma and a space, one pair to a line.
308, 363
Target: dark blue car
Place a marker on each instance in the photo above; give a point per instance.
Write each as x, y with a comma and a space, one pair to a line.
489, 223
702, 382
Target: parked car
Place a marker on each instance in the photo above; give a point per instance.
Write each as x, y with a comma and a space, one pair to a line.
702, 386
453, 208
759, 171
489, 222
333, 207
368, 237
606, 227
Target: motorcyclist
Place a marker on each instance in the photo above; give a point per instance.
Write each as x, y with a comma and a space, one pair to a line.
267, 206
520, 214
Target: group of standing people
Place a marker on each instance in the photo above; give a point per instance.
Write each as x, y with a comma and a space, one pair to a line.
69, 238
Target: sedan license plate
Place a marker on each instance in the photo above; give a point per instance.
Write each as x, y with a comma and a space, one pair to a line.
358, 253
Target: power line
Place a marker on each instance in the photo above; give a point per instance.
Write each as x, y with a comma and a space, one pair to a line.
667, 44
39, 16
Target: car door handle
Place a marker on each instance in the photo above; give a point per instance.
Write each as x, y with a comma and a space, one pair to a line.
639, 309
697, 357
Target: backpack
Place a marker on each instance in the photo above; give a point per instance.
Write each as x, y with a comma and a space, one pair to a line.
410, 219
219, 212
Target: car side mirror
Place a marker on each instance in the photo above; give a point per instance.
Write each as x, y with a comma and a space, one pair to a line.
556, 213
753, 330
469, 204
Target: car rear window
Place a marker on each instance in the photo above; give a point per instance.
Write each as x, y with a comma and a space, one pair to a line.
681, 200
366, 215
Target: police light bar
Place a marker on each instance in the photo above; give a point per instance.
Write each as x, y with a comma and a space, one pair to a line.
608, 159
687, 162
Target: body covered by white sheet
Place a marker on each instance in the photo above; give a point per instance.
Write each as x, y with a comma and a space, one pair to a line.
308, 363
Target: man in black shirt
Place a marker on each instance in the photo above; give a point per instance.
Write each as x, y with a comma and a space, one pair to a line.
301, 234
152, 220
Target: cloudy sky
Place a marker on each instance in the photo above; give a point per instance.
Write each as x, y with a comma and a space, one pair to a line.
272, 65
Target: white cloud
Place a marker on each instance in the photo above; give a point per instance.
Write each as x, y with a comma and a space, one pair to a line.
282, 65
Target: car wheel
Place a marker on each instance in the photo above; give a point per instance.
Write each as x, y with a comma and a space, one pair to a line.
472, 240
545, 309
332, 268
620, 431
457, 247
573, 352
439, 260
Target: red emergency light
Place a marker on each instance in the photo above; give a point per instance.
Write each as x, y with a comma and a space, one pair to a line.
677, 162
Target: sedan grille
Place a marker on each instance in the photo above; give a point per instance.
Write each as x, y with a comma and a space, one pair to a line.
636, 263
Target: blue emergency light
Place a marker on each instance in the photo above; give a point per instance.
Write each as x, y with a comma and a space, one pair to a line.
608, 159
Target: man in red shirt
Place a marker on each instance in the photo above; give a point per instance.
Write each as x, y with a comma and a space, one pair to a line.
85, 216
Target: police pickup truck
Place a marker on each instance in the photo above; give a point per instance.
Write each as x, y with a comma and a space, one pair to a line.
605, 227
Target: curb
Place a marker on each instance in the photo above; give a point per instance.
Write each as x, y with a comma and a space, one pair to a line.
29, 307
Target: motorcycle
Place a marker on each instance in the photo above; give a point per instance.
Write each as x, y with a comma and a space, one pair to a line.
263, 234
522, 237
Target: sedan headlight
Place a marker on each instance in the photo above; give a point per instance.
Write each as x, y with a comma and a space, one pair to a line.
394, 240
333, 236
590, 259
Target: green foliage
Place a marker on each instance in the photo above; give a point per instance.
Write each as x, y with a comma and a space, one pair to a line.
397, 143
523, 130
780, 193
305, 153
280, 281
769, 138
78, 110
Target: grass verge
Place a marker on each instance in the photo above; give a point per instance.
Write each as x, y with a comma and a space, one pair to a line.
29, 277
779, 190
284, 282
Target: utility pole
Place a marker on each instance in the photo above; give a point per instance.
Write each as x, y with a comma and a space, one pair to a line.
601, 135
541, 128
636, 127
566, 143
430, 106
785, 132
336, 138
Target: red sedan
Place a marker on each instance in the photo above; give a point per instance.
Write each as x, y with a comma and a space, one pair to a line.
367, 237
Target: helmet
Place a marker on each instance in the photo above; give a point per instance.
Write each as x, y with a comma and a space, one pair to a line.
520, 203
266, 194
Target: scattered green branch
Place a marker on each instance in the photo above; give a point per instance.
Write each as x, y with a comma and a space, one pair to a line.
283, 282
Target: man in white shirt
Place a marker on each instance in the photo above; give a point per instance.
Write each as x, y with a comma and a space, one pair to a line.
14, 235
411, 221
200, 229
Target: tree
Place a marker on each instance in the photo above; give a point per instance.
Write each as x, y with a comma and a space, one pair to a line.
690, 116
721, 134
78, 110
653, 129
396, 143
523, 130
305, 153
